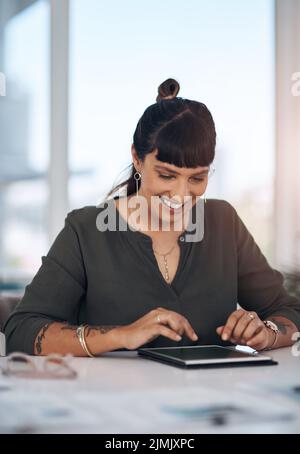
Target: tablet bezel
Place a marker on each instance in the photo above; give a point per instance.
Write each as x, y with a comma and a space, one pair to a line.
247, 358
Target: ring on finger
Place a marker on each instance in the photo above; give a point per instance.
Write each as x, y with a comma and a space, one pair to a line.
251, 315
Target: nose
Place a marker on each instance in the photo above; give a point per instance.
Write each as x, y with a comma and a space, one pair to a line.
182, 190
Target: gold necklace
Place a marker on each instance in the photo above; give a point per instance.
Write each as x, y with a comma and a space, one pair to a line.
167, 276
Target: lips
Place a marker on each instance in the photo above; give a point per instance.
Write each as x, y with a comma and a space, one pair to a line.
170, 204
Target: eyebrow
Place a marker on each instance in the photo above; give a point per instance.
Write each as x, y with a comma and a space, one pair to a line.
176, 173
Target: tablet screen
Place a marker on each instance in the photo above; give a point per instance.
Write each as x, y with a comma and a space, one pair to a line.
202, 354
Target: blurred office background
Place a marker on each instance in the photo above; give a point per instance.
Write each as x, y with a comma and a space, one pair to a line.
80, 73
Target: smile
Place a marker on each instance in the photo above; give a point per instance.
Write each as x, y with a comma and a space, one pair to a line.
173, 205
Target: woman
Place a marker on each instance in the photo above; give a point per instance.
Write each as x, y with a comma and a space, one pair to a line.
98, 290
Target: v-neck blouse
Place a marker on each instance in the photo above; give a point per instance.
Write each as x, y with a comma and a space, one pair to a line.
144, 243
112, 278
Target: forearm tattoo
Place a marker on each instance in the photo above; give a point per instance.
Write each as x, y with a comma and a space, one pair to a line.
283, 327
40, 338
69, 327
102, 329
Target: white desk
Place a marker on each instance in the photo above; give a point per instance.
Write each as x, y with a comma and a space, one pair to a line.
124, 393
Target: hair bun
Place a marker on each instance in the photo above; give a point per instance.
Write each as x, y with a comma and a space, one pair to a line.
168, 89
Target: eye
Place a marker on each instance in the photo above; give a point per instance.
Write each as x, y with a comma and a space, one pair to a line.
166, 177
195, 179
198, 180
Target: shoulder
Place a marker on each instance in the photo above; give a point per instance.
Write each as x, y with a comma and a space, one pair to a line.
219, 207
221, 218
84, 218
222, 223
82, 215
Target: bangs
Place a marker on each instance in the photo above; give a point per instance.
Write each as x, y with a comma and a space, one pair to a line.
185, 142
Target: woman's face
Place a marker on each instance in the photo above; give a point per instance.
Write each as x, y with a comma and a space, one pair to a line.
170, 183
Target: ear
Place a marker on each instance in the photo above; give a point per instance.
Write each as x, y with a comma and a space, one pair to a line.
135, 159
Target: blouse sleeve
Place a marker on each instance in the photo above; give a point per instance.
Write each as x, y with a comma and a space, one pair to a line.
260, 287
54, 294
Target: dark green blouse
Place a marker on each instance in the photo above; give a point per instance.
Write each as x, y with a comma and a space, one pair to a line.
112, 278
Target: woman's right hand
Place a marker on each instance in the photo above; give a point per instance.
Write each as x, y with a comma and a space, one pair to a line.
158, 322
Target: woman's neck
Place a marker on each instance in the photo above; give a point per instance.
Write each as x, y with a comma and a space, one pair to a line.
151, 226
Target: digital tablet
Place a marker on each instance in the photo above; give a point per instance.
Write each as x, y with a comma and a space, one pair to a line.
205, 356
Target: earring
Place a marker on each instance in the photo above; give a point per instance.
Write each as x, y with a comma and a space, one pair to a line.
137, 176
204, 198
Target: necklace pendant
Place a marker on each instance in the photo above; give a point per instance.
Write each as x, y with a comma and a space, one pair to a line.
167, 277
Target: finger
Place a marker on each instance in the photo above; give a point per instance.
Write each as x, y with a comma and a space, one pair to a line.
158, 316
259, 341
252, 329
168, 319
182, 326
219, 330
190, 332
167, 332
234, 341
178, 323
230, 324
243, 323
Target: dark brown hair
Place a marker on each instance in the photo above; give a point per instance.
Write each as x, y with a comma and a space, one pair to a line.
182, 131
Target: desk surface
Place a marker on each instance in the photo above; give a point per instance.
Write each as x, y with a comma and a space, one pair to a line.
121, 392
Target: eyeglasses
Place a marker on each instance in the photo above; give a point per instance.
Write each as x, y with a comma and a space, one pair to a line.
52, 366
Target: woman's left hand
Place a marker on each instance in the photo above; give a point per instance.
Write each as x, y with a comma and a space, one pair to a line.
246, 328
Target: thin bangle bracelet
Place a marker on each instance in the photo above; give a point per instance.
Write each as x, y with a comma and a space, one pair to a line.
273, 344
80, 332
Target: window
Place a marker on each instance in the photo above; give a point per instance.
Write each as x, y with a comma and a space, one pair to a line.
222, 53
24, 138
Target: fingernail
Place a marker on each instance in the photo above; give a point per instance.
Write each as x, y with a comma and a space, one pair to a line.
195, 337
225, 337
178, 337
